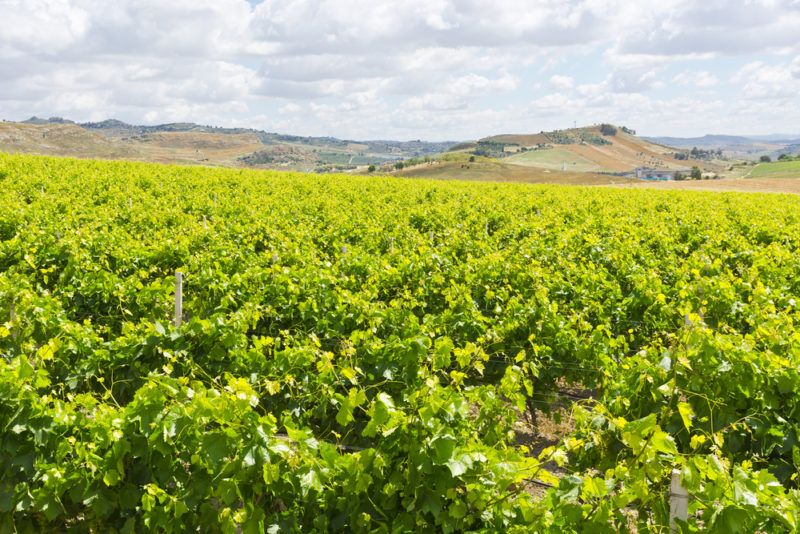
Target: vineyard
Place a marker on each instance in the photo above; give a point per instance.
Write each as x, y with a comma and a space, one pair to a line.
377, 355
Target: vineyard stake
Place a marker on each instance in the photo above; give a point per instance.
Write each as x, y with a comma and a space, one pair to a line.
678, 501
178, 299
12, 318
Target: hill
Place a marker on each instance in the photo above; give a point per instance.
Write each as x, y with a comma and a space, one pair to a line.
734, 146
191, 143
587, 150
61, 139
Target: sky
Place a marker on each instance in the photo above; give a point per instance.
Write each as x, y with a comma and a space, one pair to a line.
410, 69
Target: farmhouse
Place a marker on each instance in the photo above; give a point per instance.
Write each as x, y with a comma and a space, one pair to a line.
646, 173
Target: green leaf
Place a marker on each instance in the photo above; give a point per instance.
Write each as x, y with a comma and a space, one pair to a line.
443, 448
442, 353
310, 481
663, 442
381, 411
594, 488
686, 411
24, 368
111, 478
457, 510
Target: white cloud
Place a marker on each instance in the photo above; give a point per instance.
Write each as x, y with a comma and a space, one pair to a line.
702, 79
47, 26
456, 92
761, 81
561, 82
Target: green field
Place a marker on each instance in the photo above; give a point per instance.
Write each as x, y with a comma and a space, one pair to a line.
554, 159
372, 354
776, 169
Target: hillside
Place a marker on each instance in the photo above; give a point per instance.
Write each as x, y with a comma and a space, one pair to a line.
191, 143
776, 169
589, 150
62, 139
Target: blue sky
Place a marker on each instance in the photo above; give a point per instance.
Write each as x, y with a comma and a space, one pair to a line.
429, 69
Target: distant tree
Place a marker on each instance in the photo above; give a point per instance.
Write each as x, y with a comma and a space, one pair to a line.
765, 159
472, 159
371, 168
696, 173
784, 157
680, 176
608, 129
399, 165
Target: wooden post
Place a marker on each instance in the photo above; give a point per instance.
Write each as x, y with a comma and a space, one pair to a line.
130, 203
205, 223
178, 299
12, 318
678, 501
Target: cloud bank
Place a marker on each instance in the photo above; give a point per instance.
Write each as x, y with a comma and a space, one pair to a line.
434, 69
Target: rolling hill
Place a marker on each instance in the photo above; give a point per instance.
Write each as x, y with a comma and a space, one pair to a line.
60, 139
572, 156
589, 150
734, 146
190, 143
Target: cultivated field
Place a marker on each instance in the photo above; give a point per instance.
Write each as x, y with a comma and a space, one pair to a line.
776, 169
372, 354
554, 159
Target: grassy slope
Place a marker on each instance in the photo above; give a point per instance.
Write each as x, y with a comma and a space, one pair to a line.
554, 158
776, 169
